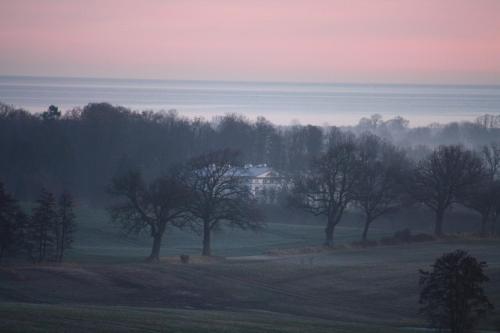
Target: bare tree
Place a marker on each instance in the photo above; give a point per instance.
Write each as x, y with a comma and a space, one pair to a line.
156, 206
484, 197
219, 194
441, 178
329, 186
379, 189
491, 156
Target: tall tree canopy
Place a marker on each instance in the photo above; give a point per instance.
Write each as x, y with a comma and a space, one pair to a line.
379, 189
441, 178
329, 186
154, 206
219, 194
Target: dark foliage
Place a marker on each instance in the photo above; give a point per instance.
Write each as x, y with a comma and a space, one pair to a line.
65, 227
12, 223
83, 149
41, 230
406, 236
452, 294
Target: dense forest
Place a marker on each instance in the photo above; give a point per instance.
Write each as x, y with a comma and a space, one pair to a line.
82, 149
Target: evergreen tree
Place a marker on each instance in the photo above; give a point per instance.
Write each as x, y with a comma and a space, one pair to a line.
65, 226
11, 225
42, 226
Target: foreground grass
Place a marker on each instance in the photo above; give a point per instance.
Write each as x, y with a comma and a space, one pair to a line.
17, 317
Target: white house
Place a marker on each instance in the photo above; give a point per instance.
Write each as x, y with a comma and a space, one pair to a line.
262, 180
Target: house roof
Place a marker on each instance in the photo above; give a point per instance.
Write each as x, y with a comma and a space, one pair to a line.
252, 171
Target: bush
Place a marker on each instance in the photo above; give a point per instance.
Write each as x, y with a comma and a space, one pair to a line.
184, 258
366, 243
389, 241
423, 238
405, 236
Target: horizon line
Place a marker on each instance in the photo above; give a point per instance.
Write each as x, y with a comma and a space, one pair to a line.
355, 83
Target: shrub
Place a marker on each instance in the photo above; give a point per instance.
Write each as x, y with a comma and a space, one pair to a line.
422, 238
405, 236
184, 258
366, 243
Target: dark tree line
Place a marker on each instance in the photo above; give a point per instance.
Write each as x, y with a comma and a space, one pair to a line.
45, 235
376, 177
83, 149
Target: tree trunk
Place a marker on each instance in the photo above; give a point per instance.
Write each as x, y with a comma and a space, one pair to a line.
484, 225
40, 246
330, 228
157, 238
155, 250
62, 242
493, 224
206, 238
58, 242
438, 228
368, 221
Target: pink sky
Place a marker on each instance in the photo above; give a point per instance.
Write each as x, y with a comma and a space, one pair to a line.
420, 41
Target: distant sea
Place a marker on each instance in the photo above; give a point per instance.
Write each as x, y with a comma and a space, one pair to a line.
282, 103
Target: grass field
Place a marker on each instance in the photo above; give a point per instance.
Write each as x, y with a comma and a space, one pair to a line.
72, 318
100, 240
105, 287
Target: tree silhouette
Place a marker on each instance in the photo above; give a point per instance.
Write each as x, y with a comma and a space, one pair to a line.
379, 189
441, 178
156, 206
52, 113
11, 224
452, 295
329, 186
65, 226
219, 194
41, 228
